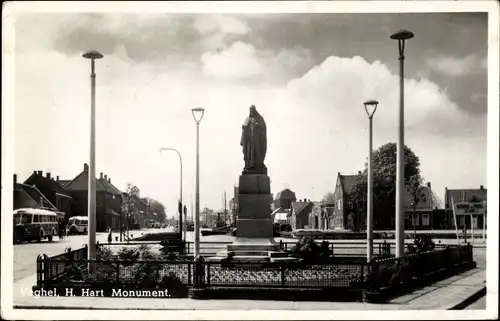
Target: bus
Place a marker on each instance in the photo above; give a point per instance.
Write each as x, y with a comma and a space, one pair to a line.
78, 225
34, 224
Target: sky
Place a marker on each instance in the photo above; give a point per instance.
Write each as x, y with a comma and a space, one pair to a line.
307, 74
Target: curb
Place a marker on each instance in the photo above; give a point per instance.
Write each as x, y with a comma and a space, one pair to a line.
471, 299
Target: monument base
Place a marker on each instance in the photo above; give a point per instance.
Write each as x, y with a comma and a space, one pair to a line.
246, 244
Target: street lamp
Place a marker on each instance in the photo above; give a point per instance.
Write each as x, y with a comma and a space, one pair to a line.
370, 108
92, 55
197, 115
400, 36
180, 197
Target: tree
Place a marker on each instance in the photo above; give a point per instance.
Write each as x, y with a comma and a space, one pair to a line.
329, 198
414, 186
384, 182
129, 208
158, 208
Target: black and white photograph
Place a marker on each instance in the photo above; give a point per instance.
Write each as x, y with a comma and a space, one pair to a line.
250, 160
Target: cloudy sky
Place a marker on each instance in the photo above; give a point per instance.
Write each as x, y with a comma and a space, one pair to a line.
308, 75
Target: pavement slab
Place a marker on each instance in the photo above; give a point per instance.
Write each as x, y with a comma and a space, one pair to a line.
440, 296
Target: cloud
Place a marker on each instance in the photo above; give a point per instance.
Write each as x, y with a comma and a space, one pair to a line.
456, 67
206, 24
237, 62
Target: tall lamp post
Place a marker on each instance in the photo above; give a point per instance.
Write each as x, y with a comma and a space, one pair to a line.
400, 36
180, 197
197, 115
92, 55
370, 108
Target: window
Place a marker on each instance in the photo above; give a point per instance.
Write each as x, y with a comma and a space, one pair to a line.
415, 219
339, 205
36, 218
462, 220
27, 218
350, 205
425, 220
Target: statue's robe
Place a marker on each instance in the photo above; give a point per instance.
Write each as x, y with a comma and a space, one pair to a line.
254, 142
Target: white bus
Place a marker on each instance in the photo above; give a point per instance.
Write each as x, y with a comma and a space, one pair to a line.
34, 224
78, 225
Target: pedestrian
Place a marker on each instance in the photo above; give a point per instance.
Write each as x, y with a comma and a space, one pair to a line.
110, 236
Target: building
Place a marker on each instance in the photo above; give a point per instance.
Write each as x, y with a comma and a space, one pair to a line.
422, 217
346, 214
280, 216
284, 199
53, 191
317, 218
28, 196
233, 206
107, 209
299, 214
469, 206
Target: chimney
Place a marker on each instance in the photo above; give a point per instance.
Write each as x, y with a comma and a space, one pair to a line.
57, 178
429, 184
86, 167
15, 178
105, 177
48, 175
40, 173
481, 187
34, 172
109, 180
359, 172
100, 176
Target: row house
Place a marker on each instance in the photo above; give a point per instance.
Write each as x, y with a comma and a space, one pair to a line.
53, 191
345, 214
108, 200
29, 196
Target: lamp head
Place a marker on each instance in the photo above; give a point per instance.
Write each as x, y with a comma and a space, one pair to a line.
370, 107
402, 35
198, 114
92, 54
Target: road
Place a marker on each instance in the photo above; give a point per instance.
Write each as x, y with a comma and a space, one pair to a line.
25, 254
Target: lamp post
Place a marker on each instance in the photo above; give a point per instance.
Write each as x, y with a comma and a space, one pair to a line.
197, 115
400, 36
92, 55
370, 108
180, 193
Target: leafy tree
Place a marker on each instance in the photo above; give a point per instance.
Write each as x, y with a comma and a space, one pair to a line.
384, 182
414, 186
329, 198
129, 199
158, 208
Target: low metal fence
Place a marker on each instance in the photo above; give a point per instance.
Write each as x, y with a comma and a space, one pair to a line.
354, 273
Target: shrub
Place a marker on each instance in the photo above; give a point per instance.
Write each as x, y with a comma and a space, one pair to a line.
174, 285
310, 252
104, 254
424, 243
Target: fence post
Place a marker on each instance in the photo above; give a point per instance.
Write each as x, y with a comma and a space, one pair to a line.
283, 267
199, 272
46, 268
189, 266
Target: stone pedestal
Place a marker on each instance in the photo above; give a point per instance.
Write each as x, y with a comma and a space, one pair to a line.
254, 226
